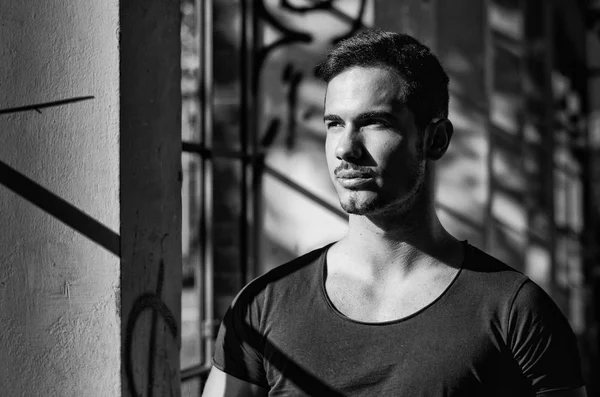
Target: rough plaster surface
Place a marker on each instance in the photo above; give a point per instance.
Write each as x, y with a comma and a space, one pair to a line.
58, 289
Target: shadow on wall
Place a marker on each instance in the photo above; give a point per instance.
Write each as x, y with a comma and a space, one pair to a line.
50, 202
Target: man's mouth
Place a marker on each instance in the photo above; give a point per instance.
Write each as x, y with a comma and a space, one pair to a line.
352, 174
352, 179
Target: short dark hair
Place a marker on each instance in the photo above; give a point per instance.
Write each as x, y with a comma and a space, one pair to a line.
425, 81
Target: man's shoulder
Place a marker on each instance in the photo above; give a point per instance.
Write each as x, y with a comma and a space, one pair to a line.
298, 273
490, 275
480, 262
302, 266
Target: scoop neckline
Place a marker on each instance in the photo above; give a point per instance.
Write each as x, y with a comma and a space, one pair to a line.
323, 268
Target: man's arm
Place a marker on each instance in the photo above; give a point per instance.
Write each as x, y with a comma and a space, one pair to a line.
221, 384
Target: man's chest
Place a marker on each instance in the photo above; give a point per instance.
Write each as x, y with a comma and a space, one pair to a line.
355, 359
385, 300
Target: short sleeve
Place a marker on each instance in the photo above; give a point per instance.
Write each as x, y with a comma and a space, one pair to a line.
542, 341
239, 343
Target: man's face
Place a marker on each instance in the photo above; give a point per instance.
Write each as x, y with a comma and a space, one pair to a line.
373, 147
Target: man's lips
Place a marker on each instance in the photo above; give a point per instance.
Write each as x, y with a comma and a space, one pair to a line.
353, 179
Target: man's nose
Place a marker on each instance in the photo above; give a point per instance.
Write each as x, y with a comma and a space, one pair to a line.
349, 146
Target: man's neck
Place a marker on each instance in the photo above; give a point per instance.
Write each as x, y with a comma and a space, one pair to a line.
382, 246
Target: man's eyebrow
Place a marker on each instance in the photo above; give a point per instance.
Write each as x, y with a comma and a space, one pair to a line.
376, 115
363, 116
331, 117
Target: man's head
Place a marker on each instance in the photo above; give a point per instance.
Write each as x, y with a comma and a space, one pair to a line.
425, 84
385, 115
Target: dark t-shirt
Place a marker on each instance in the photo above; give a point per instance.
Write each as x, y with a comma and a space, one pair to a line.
493, 332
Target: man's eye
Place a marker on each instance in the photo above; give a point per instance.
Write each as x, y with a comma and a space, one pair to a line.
377, 124
333, 124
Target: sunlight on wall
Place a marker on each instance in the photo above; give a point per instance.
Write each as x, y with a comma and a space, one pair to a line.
509, 211
60, 288
462, 174
504, 110
538, 264
292, 220
507, 20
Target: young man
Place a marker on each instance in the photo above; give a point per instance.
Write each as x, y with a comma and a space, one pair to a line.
398, 307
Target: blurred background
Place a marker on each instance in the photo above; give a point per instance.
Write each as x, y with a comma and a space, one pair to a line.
520, 181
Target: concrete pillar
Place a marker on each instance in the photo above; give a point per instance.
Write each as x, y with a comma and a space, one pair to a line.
89, 198
150, 183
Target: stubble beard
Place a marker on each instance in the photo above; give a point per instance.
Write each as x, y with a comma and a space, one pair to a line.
380, 206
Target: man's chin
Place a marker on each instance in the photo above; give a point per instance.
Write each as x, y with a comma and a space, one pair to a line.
375, 208
364, 208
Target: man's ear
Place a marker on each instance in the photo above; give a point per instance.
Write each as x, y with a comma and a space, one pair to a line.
438, 134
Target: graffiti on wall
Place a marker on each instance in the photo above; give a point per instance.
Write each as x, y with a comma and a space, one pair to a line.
153, 302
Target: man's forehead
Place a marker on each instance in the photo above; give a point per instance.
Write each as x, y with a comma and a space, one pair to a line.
366, 85
377, 74
386, 101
